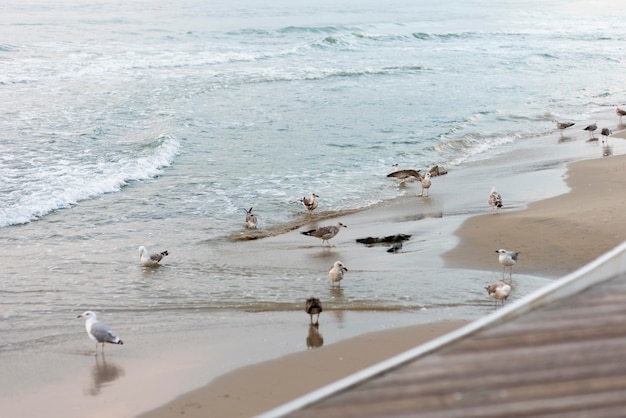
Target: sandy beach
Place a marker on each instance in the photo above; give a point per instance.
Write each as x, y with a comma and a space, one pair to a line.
555, 236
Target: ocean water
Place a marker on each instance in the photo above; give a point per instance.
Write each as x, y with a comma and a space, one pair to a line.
154, 123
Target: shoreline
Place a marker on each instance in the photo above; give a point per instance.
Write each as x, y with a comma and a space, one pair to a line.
555, 236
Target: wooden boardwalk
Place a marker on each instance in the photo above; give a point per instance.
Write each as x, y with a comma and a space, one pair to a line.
562, 358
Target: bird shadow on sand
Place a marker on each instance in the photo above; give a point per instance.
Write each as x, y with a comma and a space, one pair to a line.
103, 373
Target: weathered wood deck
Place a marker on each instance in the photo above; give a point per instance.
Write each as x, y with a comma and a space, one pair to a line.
561, 358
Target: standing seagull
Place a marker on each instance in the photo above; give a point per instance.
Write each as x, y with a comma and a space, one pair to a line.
561, 126
310, 203
495, 200
426, 183
150, 260
98, 331
499, 291
251, 220
404, 174
313, 306
620, 112
335, 274
591, 128
606, 132
507, 259
325, 232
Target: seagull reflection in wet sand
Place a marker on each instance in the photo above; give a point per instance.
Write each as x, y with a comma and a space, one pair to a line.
314, 339
103, 373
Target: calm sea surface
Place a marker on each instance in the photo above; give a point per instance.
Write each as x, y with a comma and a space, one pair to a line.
156, 123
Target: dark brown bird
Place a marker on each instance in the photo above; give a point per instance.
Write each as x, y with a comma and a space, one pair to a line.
405, 174
313, 306
606, 132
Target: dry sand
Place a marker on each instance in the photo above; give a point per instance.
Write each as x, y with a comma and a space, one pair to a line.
555, 236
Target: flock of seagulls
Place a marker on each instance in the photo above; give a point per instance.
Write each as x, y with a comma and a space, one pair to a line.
591, 128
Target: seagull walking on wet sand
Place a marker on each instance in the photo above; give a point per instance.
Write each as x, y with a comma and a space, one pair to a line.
499, 291
426, 183
495, 200
313, 306
591, 128
251, 219
507, 259
404, 174
620, 112
325, 232
310, 203
561, 126
98, 331
335, 274
150, 260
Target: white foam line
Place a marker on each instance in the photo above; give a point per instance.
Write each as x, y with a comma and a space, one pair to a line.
604, 267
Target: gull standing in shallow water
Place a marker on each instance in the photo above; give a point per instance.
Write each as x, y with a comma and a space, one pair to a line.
335, 274
591, 128
404, 174
310, 203
561, 126
325, 232
426, 183
313, 306
495, 200
251, 220
98, 331
499, 291
620, 112
507, 259
150, 260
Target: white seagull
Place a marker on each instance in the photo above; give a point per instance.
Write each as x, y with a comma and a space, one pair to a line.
507, 259
335, 274
251, 220
495, 200
310, 203
98, 331
150, 260
426, 183
499, 291
325, 232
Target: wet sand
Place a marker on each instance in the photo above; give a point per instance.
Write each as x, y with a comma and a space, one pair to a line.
555, 236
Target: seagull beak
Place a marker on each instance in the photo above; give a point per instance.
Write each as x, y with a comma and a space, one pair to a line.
79, 316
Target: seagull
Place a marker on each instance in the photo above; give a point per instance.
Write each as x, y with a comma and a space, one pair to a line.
98, 331
310, 203
395, 248
591, 128
561, 126
620, 112
426, 183
325, 232
313, 306
499, 291
150, 260
495, 200
404, 174
251, 220
606, 132
507, 259
335, 274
